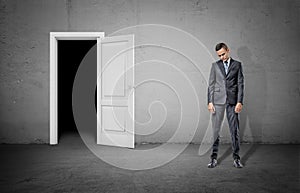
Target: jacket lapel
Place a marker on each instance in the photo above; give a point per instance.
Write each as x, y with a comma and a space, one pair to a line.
230, 65
221, 66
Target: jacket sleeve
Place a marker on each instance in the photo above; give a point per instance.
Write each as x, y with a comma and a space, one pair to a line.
240, 85
211, 84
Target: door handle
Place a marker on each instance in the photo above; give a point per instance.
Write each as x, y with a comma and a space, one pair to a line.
129, 87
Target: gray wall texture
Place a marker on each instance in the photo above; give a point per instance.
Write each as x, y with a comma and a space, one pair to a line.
263, 34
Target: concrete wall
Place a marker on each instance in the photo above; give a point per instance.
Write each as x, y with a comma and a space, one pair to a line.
264, 35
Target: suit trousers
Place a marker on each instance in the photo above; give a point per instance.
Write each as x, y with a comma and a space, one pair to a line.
233, 122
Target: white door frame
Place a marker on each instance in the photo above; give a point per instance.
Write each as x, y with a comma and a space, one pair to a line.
54, 36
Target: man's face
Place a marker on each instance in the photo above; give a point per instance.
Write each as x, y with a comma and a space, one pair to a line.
223, 54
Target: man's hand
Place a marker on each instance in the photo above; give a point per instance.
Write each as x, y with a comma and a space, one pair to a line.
211, 108
238, 107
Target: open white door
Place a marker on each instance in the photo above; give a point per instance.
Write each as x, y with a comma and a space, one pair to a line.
115, 91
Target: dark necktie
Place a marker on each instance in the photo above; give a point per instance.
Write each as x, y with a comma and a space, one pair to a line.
226, 66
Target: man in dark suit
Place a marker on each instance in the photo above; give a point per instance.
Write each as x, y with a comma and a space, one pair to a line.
225, 92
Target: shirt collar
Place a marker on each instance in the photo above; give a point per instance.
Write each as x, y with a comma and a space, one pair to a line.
227, 61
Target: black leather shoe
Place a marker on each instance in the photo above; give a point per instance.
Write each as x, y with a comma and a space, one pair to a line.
212, 163
237, 163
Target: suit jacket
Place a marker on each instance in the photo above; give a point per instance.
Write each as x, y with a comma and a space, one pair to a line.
224, 88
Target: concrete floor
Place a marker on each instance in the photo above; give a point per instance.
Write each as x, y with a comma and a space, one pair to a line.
71, 167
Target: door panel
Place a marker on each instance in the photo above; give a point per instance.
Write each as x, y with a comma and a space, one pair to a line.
115, 92
114, 119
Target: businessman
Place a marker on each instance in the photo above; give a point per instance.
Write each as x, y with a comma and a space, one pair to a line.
225, 92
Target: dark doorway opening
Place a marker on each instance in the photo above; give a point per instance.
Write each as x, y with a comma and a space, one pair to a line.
69, 56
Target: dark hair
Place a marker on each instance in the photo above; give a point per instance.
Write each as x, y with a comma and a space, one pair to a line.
219, 46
